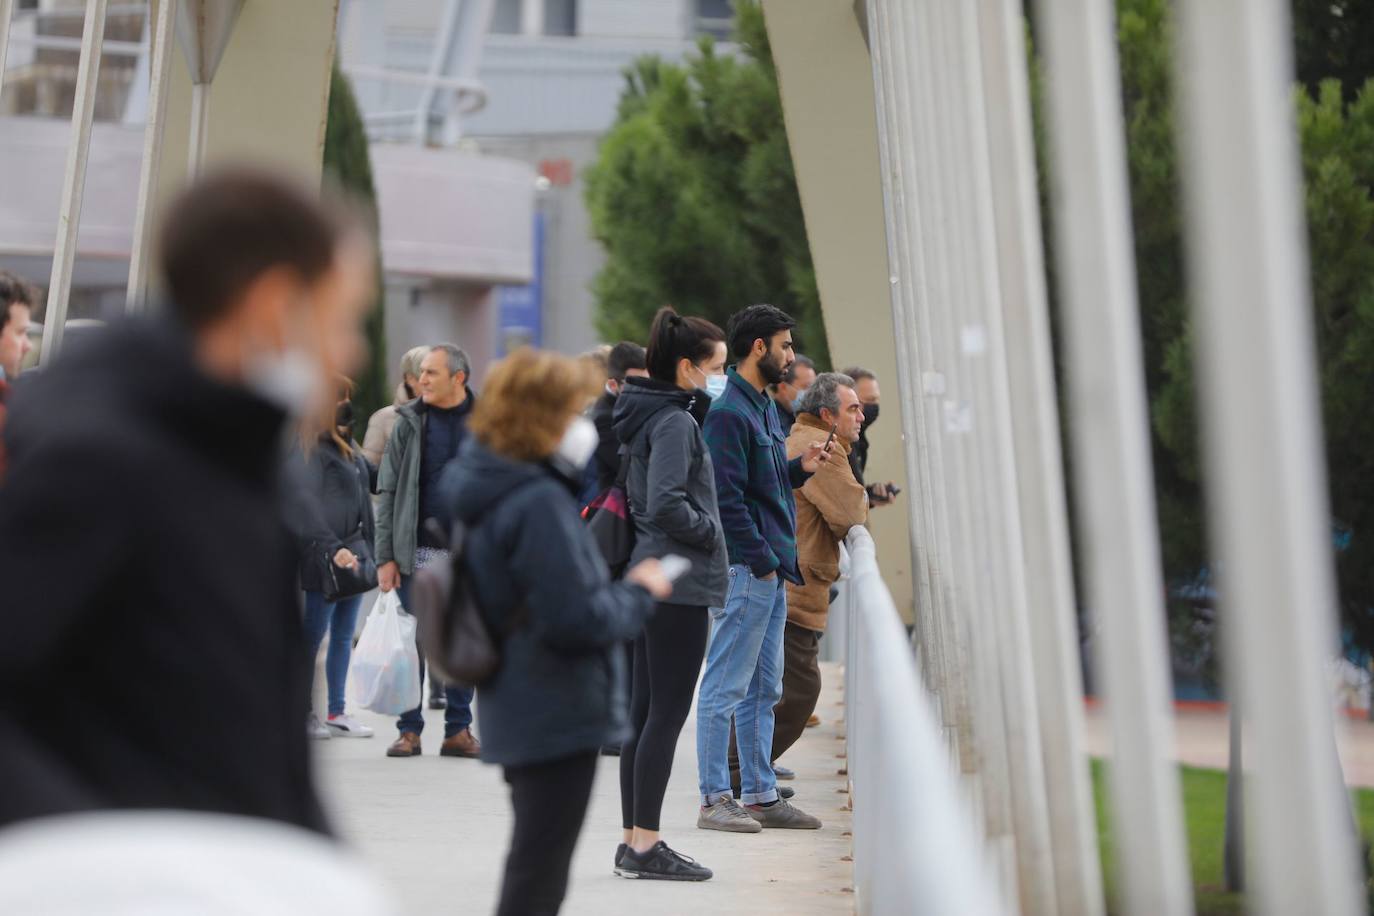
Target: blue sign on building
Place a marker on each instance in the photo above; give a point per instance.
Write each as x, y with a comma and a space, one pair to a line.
521, 308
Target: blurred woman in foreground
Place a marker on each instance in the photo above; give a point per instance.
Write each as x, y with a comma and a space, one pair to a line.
541, 582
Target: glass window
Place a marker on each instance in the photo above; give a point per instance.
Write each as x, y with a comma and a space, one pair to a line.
560, 17
715, 17
505, 18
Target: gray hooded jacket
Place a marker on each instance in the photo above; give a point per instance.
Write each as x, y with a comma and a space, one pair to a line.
672, 487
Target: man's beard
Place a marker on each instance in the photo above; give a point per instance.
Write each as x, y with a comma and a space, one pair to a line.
772, 369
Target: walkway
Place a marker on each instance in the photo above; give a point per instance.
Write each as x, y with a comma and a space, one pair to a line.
436, 829
1202, 739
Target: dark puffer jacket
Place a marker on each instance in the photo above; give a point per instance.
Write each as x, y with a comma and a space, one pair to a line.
672, 487
336, 506
561, 685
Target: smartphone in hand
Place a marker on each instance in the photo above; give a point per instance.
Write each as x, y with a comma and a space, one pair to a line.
831, 438
674, 566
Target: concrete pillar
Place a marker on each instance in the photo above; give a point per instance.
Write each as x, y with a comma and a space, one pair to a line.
826, 81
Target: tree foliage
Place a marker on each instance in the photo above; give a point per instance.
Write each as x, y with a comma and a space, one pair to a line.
348, 166
1335, 118
694, 197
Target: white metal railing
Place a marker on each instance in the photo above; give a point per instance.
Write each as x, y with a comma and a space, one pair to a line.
996, 612
916, 846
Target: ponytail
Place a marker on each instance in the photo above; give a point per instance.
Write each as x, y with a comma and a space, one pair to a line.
673, 338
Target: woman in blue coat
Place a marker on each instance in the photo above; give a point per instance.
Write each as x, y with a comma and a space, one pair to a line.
540, 580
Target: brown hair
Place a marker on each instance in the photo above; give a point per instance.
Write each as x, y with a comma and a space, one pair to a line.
230, 228
312, 429
527, 401
673, 337
14, 291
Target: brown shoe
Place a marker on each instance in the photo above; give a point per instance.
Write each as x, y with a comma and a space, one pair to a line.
463, 744
813, 721
408, 745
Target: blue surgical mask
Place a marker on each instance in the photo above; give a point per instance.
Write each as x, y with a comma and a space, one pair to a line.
716, 385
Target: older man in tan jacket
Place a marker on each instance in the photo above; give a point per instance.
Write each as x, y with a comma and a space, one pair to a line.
830, 503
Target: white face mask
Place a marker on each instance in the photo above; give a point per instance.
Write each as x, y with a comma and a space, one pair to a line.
716, 385
579, 443
290, 380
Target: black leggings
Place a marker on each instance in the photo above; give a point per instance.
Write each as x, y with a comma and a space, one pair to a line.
550, 801
667, 661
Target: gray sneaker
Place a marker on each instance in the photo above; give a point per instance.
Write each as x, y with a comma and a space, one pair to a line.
783, 815
727, 815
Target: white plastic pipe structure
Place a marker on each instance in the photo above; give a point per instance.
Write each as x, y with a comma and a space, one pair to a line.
73, 180
1029, 360
204, 28
985, 347
162, 51
6, 14
1262, 430
1115, 496
915, 847
903, 281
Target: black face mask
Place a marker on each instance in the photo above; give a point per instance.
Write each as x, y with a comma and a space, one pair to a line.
343, 414
870, 415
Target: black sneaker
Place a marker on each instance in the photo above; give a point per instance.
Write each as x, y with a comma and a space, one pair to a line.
620, 854
662, 864
783, 792
610, 750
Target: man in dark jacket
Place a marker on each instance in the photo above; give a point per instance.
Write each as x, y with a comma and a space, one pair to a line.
145, 551
427, 436
625, 361
795, 379
744, 662
866, 386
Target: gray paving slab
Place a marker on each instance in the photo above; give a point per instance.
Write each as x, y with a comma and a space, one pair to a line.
436, 829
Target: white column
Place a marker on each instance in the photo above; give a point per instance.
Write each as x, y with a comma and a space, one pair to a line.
984, 346
74, 180
1119, 535
902, 284
532, 18
939, 212
161, 52
6, 14
1261, 424
1048, 582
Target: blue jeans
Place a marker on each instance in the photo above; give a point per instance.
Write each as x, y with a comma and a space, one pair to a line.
743, 680
458, 715
340, 618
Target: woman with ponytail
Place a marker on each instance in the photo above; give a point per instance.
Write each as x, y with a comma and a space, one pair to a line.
672, 494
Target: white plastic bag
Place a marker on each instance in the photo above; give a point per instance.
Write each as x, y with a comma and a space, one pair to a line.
384, 675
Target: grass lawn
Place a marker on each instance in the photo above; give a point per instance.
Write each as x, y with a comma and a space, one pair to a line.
1204, 805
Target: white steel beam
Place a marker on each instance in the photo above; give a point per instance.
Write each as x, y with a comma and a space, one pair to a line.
939, 215
901, 285
1262, 430
1034, 419
74, 180
6, 15
154, 131
1119, 532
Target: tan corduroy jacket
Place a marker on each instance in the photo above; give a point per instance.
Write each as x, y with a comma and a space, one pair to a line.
830, 503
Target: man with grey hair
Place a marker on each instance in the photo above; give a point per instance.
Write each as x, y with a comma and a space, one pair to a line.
381, 423
428, 432
830, 503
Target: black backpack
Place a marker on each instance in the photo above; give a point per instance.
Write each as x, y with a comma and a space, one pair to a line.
455, 637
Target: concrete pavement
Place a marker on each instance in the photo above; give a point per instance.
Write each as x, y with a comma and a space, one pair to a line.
436, 829
1202, 739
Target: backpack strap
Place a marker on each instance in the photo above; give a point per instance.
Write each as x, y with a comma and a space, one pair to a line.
623, 472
